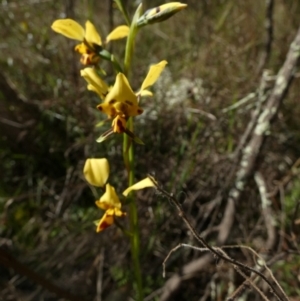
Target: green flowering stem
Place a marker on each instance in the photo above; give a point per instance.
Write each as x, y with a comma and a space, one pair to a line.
135, 239
128, 155
131, 40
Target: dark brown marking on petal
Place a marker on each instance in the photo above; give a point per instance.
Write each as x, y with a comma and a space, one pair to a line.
111, 102
99, 107
103, 226
129, 102
120, 125
140, 111
157, 10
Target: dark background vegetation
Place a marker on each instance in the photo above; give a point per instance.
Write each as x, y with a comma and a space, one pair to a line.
47, 130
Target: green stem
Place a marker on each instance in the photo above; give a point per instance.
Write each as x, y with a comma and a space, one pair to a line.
129, 159
135, 239
131, 40
128, 154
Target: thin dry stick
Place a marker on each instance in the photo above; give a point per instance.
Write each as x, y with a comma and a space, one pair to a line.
248, 281
206, 245
233, 296
261, 263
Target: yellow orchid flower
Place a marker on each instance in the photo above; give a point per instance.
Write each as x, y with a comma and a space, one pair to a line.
121, 102
109, 202
91, 43
96, 172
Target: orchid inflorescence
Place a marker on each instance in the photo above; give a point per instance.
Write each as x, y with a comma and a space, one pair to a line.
119, 102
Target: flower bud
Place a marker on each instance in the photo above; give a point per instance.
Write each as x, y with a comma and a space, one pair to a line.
160, 13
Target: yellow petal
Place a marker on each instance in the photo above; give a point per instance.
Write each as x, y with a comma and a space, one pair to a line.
109, 199
69, 28
146, 93
118, 212
106, 221
120, 100
127, 109
91, 34
121, 91
108, 218
107, 109
96, 90
119, 124
96, 171
96, 84
153, 74
81, 48
147, 182
119, 32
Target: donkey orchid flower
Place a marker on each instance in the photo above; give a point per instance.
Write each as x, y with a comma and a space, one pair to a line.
96, 172
91, 43
121, 102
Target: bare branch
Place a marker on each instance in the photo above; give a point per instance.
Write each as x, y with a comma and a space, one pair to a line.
252, 148
212, 250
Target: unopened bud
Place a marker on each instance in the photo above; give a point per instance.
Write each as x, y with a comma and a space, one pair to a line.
160, 13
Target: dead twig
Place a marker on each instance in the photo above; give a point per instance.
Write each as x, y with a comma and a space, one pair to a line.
217, 253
